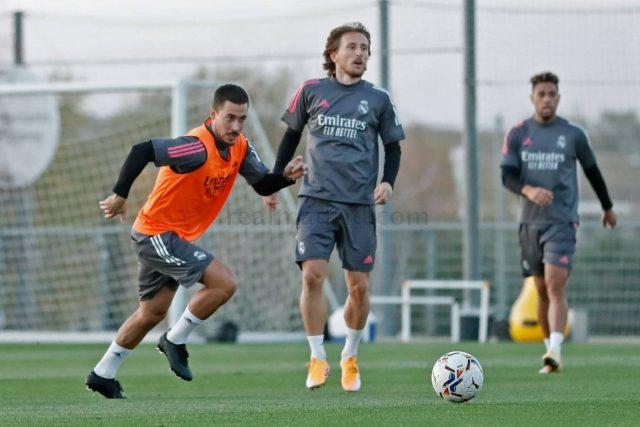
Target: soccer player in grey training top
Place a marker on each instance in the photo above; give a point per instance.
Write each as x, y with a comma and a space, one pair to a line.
539, 163
345, 115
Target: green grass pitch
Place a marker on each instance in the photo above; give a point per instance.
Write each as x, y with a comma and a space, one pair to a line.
264, 385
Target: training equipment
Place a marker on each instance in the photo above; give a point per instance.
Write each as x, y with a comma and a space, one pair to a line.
523, 319
457, 377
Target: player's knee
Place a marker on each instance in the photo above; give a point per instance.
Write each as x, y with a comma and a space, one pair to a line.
555, 291
152, 315
542, 293
312, 279
222, 282
359, 290
229, 285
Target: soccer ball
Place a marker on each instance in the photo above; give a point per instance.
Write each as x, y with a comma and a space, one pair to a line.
457, 377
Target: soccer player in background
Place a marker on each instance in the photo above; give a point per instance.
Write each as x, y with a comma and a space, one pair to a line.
197, 172
345, 115
539, 163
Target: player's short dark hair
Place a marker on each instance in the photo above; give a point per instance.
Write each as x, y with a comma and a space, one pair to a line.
229, 92
544, 77
333, 43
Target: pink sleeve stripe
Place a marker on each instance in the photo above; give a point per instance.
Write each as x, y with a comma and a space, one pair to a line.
294, 100
184, 146
184, 149
296, 97
186, 153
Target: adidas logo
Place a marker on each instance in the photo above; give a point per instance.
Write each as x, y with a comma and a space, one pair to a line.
368, 260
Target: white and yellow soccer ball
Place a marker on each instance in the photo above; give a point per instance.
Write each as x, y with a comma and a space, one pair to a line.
457, 377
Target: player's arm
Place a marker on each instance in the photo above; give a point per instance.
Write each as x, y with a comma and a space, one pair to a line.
263, 181
511, 179
391, 133
383, 191
295, 117
287, 149
587, 160
273, 182
183, 155
510, 167
510, 164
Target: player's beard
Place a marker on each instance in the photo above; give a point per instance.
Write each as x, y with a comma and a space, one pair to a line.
230, 138
352, 72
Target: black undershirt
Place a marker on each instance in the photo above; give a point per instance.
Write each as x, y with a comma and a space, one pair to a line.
291, 140
143, 153
511, 180
138, 157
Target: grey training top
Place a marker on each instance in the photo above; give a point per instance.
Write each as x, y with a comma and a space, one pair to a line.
187, 153
546, 156
342, 147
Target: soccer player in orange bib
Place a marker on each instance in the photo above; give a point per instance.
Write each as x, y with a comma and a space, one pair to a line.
197, 172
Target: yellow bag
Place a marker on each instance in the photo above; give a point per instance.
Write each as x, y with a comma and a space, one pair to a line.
523, 319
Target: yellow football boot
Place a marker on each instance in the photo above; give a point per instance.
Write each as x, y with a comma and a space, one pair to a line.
350, 374
317, 373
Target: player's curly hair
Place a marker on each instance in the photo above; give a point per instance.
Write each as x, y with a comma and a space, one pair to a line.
333, 43
544, 77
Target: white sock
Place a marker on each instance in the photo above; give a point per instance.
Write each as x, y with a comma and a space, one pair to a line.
181, 330
317, 349
108, 366
351, 343
555, 341
546, 343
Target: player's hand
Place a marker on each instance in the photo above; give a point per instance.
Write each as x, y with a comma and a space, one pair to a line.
538, 195
609, 218
114, 205
382, 193
271, 201
295, 168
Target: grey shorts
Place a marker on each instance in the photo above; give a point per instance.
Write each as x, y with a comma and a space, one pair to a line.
167, 260
547, 244
352, 227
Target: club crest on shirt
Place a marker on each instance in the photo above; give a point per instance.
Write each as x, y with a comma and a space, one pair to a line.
562, 142
363, 108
